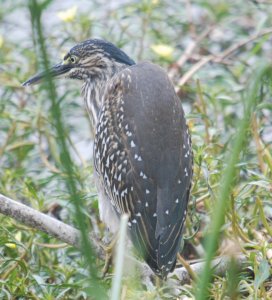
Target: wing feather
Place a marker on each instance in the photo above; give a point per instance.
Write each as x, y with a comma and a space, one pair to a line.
145, 160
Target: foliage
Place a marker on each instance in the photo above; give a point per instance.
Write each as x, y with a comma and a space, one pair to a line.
48, 166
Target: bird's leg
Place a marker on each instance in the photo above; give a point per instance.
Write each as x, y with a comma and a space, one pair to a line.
108, 248
187, 267
158, 282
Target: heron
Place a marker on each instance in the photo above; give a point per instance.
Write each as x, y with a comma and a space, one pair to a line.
142, 155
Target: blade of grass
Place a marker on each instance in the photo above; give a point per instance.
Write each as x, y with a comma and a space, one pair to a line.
227, 181
117, 279
95, 288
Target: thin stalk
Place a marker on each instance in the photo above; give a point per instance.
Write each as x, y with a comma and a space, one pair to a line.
120, 255
95, 288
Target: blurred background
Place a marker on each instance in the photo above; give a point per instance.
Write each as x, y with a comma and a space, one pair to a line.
211, 49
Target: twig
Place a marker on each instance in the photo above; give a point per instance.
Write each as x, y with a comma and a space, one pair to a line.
203, 108
187, 266
9, 135
220, 57
198, 57
188, 52
258, 144
192, 25
82, 160
43, 156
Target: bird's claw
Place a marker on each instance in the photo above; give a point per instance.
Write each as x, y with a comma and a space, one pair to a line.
108, 249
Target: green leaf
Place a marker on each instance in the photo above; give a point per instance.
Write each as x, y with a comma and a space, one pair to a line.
262, 274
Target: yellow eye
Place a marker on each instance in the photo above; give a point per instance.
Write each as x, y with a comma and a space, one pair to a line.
73, 59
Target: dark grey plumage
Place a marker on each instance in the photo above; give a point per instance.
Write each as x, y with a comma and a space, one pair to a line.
142, 148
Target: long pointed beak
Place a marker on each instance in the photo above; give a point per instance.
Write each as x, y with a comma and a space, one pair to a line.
55, 71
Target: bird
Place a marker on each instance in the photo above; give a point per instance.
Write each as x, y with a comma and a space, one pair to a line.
142, 155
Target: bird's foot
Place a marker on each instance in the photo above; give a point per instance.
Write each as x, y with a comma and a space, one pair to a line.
108, 249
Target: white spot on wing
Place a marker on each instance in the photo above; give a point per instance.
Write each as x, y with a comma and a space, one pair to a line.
142, 174
123, 192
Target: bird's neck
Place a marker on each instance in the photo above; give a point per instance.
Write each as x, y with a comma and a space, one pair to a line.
93, 91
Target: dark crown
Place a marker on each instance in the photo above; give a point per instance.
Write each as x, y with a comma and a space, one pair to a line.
92, 45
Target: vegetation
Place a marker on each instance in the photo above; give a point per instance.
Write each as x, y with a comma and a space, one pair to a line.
218, 54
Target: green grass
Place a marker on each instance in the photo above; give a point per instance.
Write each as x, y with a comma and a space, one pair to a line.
45, 144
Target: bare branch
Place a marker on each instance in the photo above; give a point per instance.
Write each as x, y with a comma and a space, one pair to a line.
37, 220
188, 52
220, 57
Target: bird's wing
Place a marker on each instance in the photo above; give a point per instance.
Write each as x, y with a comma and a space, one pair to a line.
143, 156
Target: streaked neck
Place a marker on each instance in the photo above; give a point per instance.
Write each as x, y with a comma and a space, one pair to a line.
93, 91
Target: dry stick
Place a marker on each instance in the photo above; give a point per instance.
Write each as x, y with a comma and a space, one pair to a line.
82, 160
187, 266
43, 156
51, 246
68, 234
220, 57
198, 57
37, 220
188, 52
9, 135
192, 27
203, 107
259, 147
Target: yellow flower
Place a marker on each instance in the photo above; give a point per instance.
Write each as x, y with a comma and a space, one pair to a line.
10, 245
163, 50
68, 15
1, 41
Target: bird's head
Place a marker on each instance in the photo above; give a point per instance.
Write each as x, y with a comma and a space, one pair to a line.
88, 59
